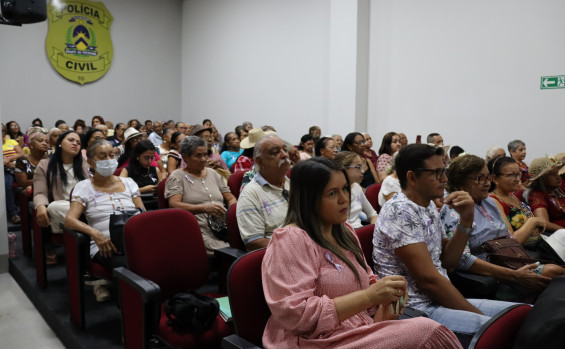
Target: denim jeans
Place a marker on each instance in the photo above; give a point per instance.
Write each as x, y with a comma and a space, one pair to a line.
466, 322
11, 207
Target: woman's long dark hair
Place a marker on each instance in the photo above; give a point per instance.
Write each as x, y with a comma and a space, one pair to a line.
303, 140
135, 169
88, 136
349, 139
55, 167
308, 181
386, 144
128, 150
9, 130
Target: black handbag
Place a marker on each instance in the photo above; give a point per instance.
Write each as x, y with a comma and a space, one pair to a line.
218, 227
118, 220
191, 311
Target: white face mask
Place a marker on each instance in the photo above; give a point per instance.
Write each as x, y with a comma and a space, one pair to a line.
106, 168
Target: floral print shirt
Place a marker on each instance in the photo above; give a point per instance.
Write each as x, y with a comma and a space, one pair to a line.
403, 222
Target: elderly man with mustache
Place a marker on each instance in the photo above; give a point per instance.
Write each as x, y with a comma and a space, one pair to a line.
263, 203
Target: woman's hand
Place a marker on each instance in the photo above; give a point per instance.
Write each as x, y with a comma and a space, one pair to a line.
27, 190
215, 209
105, 245
42, 216
149, 188
527, 278
387, 290
539, 225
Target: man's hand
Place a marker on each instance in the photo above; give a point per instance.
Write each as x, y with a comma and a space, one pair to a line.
463, 204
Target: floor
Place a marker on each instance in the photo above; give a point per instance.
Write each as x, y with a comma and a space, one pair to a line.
21, 325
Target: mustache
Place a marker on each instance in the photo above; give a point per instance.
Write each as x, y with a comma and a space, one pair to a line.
284, 161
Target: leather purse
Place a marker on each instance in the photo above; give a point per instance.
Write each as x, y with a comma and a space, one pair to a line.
507, 252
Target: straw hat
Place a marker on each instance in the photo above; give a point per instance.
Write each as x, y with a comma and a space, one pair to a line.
131, 133
557, 242
540, 166
561, 158
253, 137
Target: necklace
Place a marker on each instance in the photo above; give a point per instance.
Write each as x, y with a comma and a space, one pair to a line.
510, 199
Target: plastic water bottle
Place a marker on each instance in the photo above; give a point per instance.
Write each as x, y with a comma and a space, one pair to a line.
12, 245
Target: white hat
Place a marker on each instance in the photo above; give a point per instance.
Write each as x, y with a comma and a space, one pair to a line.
557, 242
131, 133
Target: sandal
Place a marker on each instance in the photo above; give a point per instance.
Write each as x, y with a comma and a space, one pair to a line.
16, 219
51, 257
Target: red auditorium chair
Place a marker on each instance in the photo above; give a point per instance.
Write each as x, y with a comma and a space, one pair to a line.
233, 229
163, 203
166, 255
234, 182
226, 256
41, 238
365, 236
501, 330
24, 202
247, 302
372, 194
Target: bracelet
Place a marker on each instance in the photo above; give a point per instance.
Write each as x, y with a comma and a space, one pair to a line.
465, 230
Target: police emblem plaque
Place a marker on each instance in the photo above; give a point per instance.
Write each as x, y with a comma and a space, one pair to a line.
78, 42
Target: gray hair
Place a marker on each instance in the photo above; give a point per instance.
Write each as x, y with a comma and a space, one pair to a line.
512, 146
492, 150
189, 144
430, 138
245, 123
91, 149
53, 129
258, 151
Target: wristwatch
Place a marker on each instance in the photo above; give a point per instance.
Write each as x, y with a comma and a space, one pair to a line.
465, 229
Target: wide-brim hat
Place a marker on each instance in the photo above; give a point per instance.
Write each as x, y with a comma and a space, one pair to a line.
131, 133
194, 130
561, 158
557, 242
541, 166
253, 137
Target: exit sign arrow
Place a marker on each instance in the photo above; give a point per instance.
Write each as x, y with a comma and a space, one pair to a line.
552, 82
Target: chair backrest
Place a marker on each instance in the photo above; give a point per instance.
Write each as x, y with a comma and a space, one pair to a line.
233, 229
163, 203
166, 247
501, 330
234, 182
247, 301
372, 194
365, 236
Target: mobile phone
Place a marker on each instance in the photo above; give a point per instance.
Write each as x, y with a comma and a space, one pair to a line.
419, 139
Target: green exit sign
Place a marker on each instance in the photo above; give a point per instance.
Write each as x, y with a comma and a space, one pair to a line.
552, 82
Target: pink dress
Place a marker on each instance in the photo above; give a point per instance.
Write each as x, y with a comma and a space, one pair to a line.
300, 280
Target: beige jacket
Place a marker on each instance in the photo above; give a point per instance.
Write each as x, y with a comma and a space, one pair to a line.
40, 191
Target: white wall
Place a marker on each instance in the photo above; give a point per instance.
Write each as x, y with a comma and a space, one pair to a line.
144, 80
468, 70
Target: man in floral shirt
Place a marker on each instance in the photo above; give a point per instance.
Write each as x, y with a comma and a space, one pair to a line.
409, 240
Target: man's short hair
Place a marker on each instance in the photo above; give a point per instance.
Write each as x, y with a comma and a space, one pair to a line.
412, 157
430, 138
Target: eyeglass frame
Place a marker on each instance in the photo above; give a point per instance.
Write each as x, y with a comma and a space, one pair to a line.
358, 166
440, 172
486, 178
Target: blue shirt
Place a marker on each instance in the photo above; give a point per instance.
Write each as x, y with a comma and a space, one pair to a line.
230, 157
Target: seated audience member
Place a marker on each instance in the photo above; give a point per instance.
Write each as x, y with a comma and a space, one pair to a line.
545, 194
139, 169
148, 126
53, 135
316, 282
517, 150
13, 130
435, 139
132, 137
164, 148
455, 151
63, 127
91, 136
53, 181
231, 149
110, 126
118, 136
351, 162
97, 120
174, 159
263, 204
338, 142
326, 147
97, 198
215, 160
315, 132
469, 173
216, 141
199, 190
389, 146
247, 126
403, 140
409, 240
266, 128
355, 142
79, 126
390, 185
207, 123
25, 166
104, 130
369, 153
182, 127
37, 122
306, 147
11, 152
241, 133
245, 161
156, 136
133, 123
495, 152
517, 216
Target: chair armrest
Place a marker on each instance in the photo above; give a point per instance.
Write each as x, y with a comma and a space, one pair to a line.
474, 285
225, 258
409, 313
139, 298
228, 252
235, 342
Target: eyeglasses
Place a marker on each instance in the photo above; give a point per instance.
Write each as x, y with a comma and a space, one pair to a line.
358, 166
360, 142
14, 126
511, 175
482, 179
440, 172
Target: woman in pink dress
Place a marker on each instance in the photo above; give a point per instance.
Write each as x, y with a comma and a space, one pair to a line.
318, 287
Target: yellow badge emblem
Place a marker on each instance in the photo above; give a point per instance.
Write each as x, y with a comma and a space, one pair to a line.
78, 42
